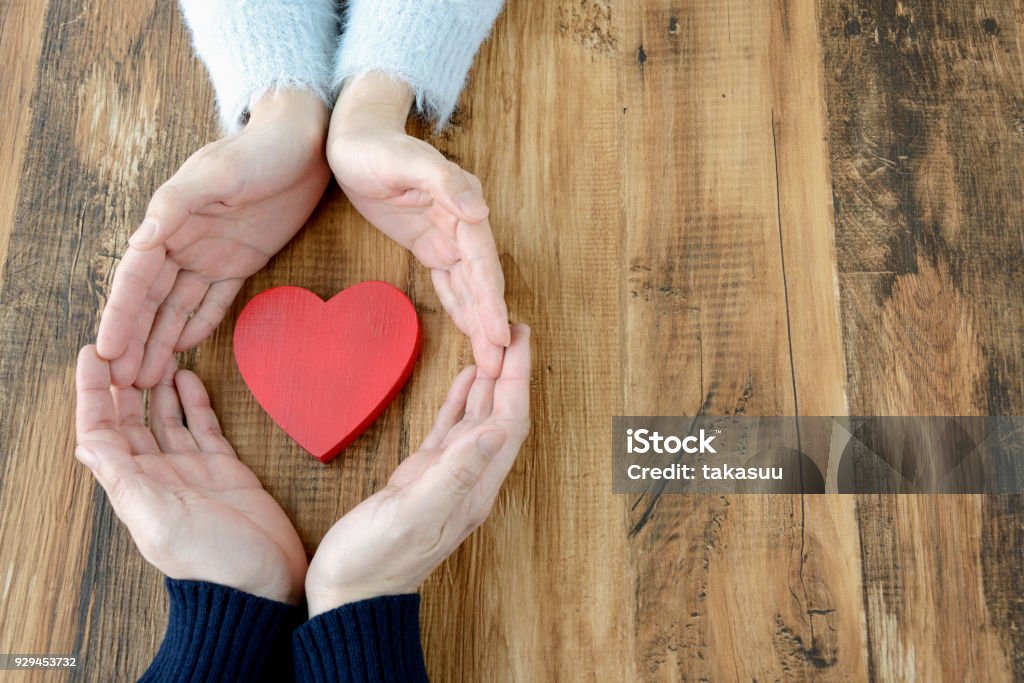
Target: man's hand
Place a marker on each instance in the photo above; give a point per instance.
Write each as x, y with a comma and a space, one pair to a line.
429, 205
194, 510
389, 543
229, 208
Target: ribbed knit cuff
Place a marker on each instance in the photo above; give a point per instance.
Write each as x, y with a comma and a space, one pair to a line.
362, 642
428, 44
216, 633
251, 47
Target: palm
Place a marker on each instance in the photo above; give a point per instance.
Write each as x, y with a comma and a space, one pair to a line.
221, 243
194, 510
433, 208
228, 210
370, 172
219, 504
435, 498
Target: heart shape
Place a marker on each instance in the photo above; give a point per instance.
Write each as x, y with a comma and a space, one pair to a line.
324, 371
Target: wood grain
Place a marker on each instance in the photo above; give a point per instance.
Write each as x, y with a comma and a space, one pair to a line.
21, 28
717, 119
101, 106
778, 208
925, 104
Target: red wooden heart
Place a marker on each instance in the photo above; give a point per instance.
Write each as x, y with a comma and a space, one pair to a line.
322, 370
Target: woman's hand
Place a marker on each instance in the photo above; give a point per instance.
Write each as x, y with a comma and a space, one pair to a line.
389, 543
194, 510
429, 205
229, 208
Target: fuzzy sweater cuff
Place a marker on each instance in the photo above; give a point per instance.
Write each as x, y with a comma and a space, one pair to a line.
428, 44
251, 47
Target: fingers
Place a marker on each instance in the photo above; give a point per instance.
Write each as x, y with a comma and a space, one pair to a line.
166, 417
185, 296
512, 388
133, 278
427, 239
480, 399
508, 396
435, 249
510, 410
443, 487
211, 311
486, 280
102, 446
124, 369
131, 420
454, 296
196, 184
202, 421
487, 355
481, 458
452, 410
450, 414
95, 413
442, 280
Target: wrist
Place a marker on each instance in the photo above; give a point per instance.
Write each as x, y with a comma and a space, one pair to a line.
318, 602
298, 109
373, 99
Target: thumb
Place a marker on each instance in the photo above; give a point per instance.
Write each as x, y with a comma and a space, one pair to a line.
439, 491
114, 468
448, 185
172, 204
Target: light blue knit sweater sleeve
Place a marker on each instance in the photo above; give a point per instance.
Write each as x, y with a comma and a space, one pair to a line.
250, 47
428, 44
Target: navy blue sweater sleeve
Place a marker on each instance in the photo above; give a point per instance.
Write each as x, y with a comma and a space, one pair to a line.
362, 642
216, 633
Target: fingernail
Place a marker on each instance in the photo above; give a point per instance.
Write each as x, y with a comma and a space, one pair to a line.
86, 456
472, 205
491, 442
144, 234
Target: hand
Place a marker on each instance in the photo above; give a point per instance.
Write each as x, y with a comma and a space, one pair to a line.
389, 543
194, 510
429, 205
229, 208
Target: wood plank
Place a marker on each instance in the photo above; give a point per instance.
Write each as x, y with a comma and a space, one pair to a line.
925, 111
96, 145
21, 30
542, 591
661, 178
806, 218
728, 231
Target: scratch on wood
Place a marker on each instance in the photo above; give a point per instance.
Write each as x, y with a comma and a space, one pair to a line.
590, 23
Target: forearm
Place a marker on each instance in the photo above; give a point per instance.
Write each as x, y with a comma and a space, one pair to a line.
428, 44
251, 47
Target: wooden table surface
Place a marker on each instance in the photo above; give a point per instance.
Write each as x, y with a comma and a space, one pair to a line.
751, 207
